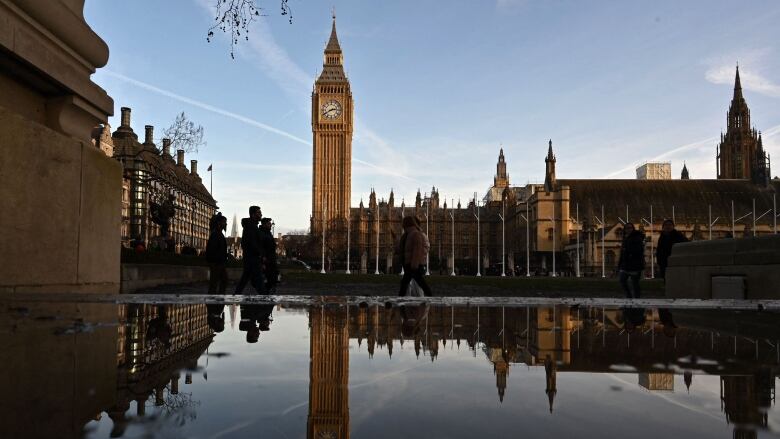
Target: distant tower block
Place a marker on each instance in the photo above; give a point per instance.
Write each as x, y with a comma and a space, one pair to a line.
654, 171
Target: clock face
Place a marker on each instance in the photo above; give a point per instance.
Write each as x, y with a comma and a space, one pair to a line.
331, 109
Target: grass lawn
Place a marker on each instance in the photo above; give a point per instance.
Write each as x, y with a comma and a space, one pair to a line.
466, 285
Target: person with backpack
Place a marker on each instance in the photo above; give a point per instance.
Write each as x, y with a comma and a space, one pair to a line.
216, 255
669, 237
413, 250
253, 252
632, 260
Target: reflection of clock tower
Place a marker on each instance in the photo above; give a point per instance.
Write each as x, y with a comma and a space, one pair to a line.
328, 374
331, 123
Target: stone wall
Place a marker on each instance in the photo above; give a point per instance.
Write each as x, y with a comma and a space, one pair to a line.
138, 277
59, 194
747, 268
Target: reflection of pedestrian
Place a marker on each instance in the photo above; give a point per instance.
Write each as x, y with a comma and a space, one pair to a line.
632, 260
216, 317
669, 237
250, 244
159, 329
413, 249
255, 318
216, 255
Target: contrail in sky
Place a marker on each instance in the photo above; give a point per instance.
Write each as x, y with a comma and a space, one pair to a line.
767, 133
206, 106
237, 117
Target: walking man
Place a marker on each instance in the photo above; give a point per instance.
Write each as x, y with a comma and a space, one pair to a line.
669, 237
253, 252
216, 255
413, 248
632, 260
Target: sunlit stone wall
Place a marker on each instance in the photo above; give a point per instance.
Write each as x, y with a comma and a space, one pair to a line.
60, 194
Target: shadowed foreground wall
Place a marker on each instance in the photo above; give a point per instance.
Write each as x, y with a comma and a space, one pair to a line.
59, 194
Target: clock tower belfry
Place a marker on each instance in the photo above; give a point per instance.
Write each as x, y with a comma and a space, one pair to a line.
331, 124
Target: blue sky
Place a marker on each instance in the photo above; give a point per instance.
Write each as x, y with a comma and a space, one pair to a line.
440, 86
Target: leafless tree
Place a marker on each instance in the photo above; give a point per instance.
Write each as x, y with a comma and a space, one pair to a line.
184, 134
235, 16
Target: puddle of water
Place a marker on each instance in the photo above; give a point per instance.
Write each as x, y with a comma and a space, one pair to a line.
330, 370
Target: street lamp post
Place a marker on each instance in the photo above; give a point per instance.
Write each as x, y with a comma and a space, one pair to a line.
324, 214
376, 271
527, 240
452, 217
476, 208
503, 238
349, 227
428, 255
577, 232
553, 249
403, 214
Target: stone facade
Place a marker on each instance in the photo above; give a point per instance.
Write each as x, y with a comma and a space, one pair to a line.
331, 122
59, 192
152, 175
562, 227
741, 152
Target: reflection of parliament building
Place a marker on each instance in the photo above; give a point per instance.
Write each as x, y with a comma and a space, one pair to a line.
577, 219
558, 338
149, 357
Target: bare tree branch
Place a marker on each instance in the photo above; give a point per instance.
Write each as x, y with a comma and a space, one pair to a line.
184, 134
235, 16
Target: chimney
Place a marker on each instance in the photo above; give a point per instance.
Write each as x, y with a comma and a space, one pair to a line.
149, 138
126, 117
180, 157
194, 167
167, 147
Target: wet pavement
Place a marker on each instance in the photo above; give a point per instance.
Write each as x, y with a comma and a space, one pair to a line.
192, 366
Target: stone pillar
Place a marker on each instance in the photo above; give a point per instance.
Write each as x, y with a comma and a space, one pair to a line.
56, 186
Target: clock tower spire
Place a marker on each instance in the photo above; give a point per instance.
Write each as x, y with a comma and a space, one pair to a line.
331, 122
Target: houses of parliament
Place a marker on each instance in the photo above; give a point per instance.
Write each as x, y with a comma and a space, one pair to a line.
576, 223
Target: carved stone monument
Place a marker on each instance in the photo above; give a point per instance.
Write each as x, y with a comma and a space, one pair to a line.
59, 193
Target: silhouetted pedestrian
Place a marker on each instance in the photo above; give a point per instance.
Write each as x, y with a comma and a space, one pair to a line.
268, 242
253, 252
669, 237
632, 260
413, 249
216, 255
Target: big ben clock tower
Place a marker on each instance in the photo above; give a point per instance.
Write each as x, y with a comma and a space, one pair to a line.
331, 124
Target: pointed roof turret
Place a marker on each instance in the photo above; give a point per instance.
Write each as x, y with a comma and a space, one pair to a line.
684, 175
333, 41
550, 154
737, 85
333, 61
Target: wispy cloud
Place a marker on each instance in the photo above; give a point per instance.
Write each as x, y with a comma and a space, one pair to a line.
510, 5
722, 70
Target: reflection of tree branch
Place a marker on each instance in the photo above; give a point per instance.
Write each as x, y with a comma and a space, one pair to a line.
235, 16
